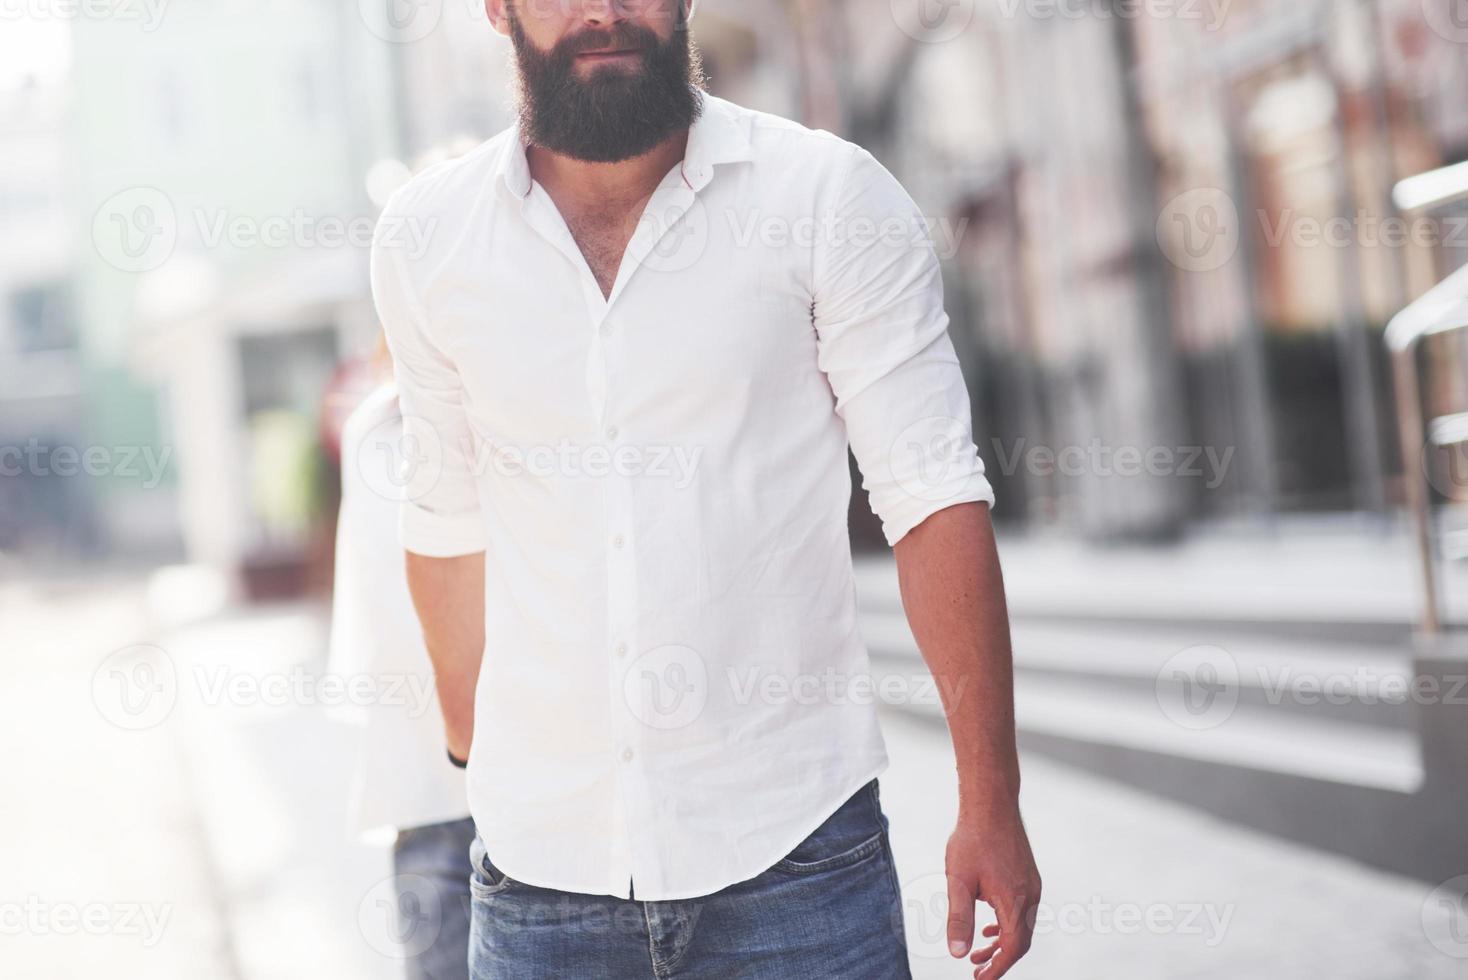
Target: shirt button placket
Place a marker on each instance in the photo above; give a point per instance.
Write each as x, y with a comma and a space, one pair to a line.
621, 606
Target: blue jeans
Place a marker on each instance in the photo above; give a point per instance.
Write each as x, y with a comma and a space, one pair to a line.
830, 909
432, 857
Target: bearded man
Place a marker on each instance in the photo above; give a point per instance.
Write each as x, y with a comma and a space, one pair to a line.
631, 359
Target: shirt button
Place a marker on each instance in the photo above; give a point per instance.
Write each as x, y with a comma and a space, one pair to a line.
618, 541
612, 432
606, 328
621, 650
626, 755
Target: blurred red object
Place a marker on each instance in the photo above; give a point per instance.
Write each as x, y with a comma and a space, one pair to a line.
354, 379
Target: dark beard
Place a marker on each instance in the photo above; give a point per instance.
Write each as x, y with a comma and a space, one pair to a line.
613, 115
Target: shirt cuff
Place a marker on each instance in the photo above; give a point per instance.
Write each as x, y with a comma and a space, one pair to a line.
432, 535
898, 520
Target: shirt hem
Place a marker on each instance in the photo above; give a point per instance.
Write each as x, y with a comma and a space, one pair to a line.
679, 895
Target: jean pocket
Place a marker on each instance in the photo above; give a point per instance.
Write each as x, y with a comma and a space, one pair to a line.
852, 834
485, 880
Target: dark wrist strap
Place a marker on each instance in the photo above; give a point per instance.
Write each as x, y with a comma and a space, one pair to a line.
458, 763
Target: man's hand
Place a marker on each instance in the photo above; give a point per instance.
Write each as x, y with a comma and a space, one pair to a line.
989, 860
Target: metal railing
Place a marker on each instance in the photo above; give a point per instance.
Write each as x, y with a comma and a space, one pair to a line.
1441, 310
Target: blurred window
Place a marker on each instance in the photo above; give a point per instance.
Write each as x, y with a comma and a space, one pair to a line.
42, 318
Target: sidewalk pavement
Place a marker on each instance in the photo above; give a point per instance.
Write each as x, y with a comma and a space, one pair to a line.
270, 767
1137, 888
105, 870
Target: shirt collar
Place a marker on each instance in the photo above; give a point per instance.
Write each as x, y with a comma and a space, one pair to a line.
717, 136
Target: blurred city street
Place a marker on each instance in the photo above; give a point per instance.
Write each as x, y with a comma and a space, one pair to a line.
1204, 269
209, 818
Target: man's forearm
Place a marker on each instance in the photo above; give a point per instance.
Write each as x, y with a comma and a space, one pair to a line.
448, 594
953, 593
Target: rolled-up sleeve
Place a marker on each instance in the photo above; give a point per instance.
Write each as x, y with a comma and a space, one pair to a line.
440, 515
883, 342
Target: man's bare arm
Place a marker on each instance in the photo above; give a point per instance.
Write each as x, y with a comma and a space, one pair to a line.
953, 593
448, 594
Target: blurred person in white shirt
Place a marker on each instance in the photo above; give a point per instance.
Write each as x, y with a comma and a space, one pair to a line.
402, 783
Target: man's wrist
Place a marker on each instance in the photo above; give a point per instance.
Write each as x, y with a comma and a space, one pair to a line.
988, 799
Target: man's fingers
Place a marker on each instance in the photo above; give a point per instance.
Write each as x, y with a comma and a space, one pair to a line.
960, 917
999, 965
1016, 929
982, 956
991, 931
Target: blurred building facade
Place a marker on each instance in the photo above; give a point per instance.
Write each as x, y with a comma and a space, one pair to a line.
41, 391
231, 143
1122, 204
1178, 238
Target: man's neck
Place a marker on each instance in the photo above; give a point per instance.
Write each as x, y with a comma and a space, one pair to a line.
627, 181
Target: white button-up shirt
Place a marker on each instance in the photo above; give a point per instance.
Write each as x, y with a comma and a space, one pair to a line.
674, 690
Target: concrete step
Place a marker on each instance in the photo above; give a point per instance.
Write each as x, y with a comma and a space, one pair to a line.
1340, 683
1311, 741
1071, 709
